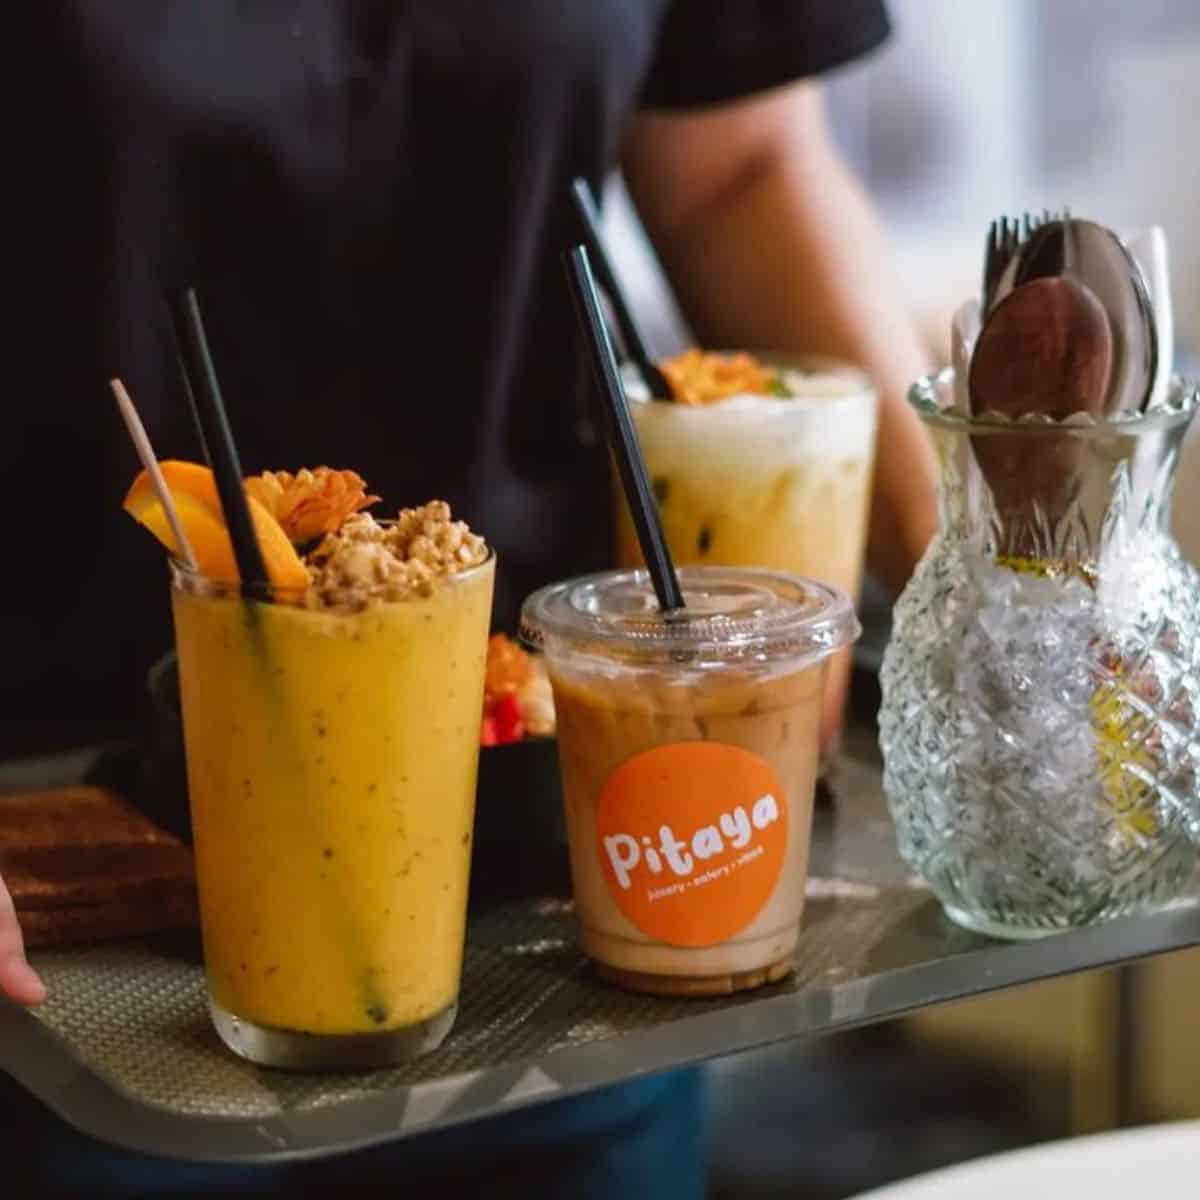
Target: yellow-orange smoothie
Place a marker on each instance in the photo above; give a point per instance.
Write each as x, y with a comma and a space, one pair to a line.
332, 763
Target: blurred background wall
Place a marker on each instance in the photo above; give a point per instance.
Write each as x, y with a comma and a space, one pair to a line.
1005, 105
998, 106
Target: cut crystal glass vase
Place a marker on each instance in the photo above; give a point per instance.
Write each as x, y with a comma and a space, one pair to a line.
1040, 723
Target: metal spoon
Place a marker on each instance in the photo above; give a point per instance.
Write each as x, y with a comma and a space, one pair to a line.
1097, 256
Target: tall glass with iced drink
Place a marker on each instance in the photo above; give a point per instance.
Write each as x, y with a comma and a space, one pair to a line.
332, 741
762, 463
688, 748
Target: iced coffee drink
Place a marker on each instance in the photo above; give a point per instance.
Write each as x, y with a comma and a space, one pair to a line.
688, 748
763, 463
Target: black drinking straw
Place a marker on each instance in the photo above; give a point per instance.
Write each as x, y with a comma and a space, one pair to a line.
589, 224
208, 410
621, 435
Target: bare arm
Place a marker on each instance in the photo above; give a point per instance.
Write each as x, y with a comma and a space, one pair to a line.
771, 244
17, 978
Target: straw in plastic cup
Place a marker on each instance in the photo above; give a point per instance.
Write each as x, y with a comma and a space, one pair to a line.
688, 745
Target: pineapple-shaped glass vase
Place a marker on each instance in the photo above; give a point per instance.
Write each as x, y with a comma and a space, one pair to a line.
1040, 723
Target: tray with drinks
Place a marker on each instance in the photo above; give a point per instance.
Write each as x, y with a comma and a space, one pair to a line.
125, 1049
651, 881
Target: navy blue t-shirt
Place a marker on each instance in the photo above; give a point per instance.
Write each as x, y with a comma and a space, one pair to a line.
369, 197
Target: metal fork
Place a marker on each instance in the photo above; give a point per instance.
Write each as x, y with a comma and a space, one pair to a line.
1004, 238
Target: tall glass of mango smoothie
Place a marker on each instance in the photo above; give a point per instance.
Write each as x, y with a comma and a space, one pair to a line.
761, 462
332, 747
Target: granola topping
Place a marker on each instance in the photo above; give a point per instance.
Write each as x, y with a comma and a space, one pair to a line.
366, 563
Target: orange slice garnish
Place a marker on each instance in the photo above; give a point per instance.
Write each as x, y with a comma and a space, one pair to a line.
194, 493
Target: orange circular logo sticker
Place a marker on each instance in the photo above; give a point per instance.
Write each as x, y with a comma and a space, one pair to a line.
692, 839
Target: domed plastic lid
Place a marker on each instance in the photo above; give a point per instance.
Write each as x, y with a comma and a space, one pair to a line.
731, 612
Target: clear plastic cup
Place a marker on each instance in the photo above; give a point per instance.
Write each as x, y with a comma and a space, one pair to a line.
689, 746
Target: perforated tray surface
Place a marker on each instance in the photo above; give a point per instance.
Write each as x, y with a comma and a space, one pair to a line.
124, 1050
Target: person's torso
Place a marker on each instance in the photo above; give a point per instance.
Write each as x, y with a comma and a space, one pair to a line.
370, 199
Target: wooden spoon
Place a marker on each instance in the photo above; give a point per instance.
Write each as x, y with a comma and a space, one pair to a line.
1047, 348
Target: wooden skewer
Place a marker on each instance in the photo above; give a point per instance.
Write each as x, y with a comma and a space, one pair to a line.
141, 442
